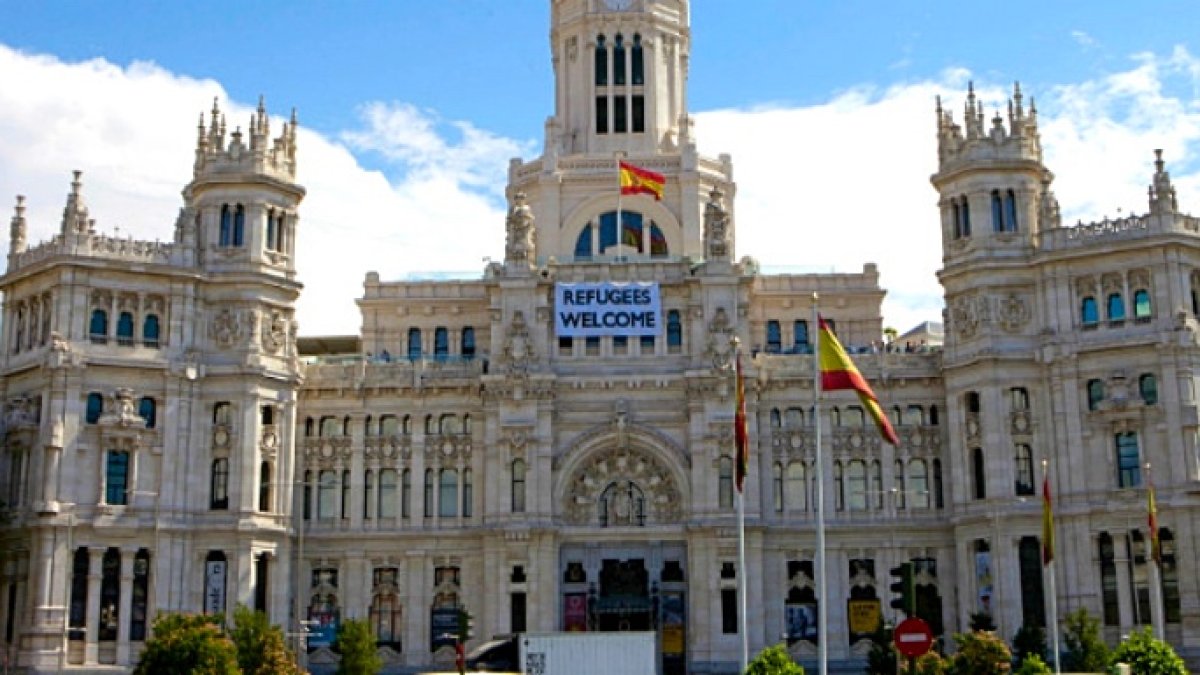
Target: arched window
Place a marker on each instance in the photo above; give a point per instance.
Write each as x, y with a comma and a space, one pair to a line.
725, 482
518, 486
239, 225
448, 424
638, 61
150, 330
468, 493
797, 494
1141, 305
997, 212
448, 493
619, 59
79, 582
898, 478
1148, 388
774, 337
466, 425
428, 493
854, 416
368, 506
1109, 597
915, 414
309, 427
1010, 211
406, 425
125, 329
272, 230
937, 484
219, 485
385, 613
956, 218
777, 486
795, 418
468, 343
327, 486
674, 332
601, 237
345, 494
1033, 601
1129, 468
978, 471
226, 232
405, 493
1170, 575
414, 344
116, 477
965, 213
800, 337
776, 419
1116, 308
441, 343
109, 618
264, 487
431, 426
1095, 394
1019, 398
856, 485
388, 426
839, 492
221, 412
1024, 470
308, 493
148, 410
98, 327
330, 426
601, 58
918, 483
876, 494
95, 407
387, 493
1089, 313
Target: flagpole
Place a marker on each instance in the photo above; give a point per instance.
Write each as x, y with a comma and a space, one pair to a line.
620, 227
1053, 584
1156, 603
822, 599
741, 516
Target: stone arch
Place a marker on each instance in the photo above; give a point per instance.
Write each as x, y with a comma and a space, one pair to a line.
632, 460
591, 208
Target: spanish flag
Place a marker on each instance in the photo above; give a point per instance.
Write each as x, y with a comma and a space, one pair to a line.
1152, 509
636, 180
838, 372
1047, 522
741, 435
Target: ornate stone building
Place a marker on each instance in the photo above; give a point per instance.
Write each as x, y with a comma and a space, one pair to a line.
550, 445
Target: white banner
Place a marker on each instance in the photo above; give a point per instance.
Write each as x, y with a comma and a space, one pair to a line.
632, 309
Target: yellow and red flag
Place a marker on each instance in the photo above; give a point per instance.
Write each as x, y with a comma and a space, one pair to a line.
741, 435
1152, 510
1047, 523
636, 180
838, 372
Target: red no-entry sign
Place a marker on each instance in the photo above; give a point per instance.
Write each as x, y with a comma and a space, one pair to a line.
913, 637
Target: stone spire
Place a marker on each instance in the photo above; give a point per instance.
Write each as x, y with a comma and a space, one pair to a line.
75, 214
1162, 192
19, 232
218, 152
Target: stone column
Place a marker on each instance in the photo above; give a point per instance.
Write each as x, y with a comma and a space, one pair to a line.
50, 477
91, 650
45, 577
125, 605
417, 601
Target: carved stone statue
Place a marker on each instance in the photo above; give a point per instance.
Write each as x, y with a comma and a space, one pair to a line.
521, 246
716, 226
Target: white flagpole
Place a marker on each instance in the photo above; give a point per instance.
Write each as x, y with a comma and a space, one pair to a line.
1053, 584
741, 514
1157, 621
822, 600
620, 228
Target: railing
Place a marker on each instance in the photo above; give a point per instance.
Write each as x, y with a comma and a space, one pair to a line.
96, 246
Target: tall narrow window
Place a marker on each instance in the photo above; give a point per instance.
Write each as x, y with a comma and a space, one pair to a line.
725, 482
800, 337
448, 493
777, 486
1024, 470
125, 329
116, 477
239, 225
1019, 398
468, 342
637, 112
997, 212
956, 217
109, 618
1139, 585
306, 508
272, 228
839, 488
619, 60
1108, 580
601, 58
796, 493
674, 332
345, 494
1170, 576
518, 486
774, 337
79, 583
428, 493
468, 493
95, 407
1129, 470
1116, 308
406, 493
441, 343
141, 595
1148, 388
414, 344
620, 116
729, 613
901, 482
638, 61
148, 410
326, 494
517, 612
1089, 314
856, 485
601, 115
226, 230
918, 483
938, 499
1095, 394
978, 470
387, 493
262, 581
219, 485
965, 212
1141, 305
264, 487
98, 326
1010, 211
150, 330
1033, 600
368, 494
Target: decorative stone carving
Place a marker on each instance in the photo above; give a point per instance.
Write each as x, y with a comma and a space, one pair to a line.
226, 328
1012, 313
720, 350
716, 226
518, 347
21, 413
521, 246
274, 331
964, 317
622, 476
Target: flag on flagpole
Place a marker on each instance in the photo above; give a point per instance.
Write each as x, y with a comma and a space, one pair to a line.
1047, 522
636, 180
740, 432
1152, 510
838, 372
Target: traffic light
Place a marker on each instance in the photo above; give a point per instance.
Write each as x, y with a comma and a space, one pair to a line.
466, 626
904, 588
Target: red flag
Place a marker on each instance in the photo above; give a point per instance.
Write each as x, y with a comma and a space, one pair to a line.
740, 432
1047, 523
636, 180
838, 372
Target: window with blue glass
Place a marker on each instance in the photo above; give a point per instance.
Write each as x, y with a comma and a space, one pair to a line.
619, 59
414, 343
1129, 468
125, 329
997, 212
1095, 394
631, 239
1010, 211
116, 477
148, 410
674, 331
239, 225
647, 342
800, 337
98, 327
441, 343
150, 330
468, 342
1148, 388
95, 406
226, 232
774, 337
637, 61
1089, 312
1116, 307
1141, 305
601, 53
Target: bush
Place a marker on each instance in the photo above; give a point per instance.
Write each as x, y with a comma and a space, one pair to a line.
188, 643
1033, 665
981, 621
260, 646
931, 663
881, 660
774, 661
1084, 652
1030, 640
1148, 655
980, 653
356, 644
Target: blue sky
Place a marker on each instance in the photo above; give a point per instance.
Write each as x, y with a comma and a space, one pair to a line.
413, 109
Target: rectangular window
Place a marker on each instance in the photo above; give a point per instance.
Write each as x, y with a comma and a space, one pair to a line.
602, 114
516, 619
620, 121
729, 618
116, 478
639, 114
620, 345
1129, 471
647, 343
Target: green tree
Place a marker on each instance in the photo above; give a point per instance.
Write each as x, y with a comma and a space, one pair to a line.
1148, 655
981, 621
1029, 640
1033, 665
356, 644
188, 643
261, 649
1083, 650
980, 653
931, 663
881, 660
774, 661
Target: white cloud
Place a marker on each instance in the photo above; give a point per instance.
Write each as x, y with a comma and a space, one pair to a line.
829, 186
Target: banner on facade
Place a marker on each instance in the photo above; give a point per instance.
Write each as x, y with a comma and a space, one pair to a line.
673, 621
801, 620
630, 309
214, 587
575, 612
443, 627
864, 618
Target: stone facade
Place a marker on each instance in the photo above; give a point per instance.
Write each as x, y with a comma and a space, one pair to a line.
171, 445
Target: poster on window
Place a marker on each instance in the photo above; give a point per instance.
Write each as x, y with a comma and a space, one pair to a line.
983, 580
443, 627
672, 624
214, 587
575, 612
607, 308
863, 617
801, 621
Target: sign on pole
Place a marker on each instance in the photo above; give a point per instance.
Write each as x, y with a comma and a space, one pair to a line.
913, 637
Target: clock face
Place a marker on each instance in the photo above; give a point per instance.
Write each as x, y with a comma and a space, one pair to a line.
618, 5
